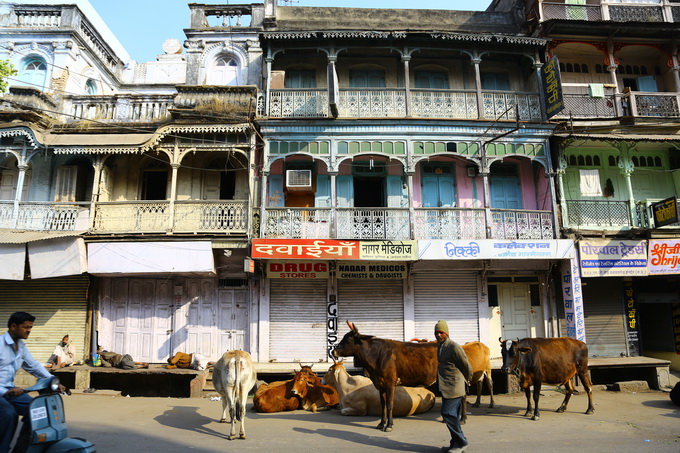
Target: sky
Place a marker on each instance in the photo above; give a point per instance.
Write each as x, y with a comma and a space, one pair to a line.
143, 25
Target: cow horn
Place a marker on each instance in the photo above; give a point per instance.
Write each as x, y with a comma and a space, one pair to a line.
501, 340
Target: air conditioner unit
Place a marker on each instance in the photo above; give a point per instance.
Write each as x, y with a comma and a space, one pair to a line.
299, 180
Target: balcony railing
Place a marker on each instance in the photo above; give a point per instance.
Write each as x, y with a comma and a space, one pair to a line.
391, 103
586, 213
44, 216
133, 217
586, 106
645, 218
651, 104
394, 223
628, 12
229, 217
141, 108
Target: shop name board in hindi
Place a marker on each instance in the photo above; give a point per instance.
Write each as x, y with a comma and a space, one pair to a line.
380, 271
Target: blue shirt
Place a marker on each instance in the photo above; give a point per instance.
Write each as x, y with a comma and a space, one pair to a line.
12, 360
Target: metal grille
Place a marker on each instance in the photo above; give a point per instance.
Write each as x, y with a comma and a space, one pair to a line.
232, 282
598, 213
620, 13
584, 106
375, 306
571, 12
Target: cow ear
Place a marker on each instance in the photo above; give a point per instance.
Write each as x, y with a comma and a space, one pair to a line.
353, 327
524, 349
501, 340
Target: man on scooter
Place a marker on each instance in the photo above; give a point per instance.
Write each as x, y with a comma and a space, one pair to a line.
15, 355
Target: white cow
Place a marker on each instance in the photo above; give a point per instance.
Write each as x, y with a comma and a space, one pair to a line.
358, 395
233, 377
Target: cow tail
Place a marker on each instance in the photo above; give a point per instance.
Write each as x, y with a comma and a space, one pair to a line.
237, 388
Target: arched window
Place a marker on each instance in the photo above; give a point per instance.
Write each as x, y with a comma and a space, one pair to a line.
90, 87
224, 71
33, 72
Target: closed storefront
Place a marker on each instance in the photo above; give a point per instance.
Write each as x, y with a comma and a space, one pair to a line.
449, 295
297, 320
152, 318
376, 307
60, 306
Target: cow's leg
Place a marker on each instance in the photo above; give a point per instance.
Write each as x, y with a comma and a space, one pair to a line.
588, 387
383, 405
232, 412
224, 410
479, 394
537, 394
569, 390
241, 408
527, 393
389, 405
489, 385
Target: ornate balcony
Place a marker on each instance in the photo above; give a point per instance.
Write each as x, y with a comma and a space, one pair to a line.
394, 223
598, 214
585, 106
651, 104
119, 108
44, 216
391, 103
616, 12
228, 217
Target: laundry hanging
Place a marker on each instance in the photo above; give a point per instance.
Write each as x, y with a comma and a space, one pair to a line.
590, 183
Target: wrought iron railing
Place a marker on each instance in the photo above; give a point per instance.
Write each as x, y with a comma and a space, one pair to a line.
598, 213
444, 104
394, 223
586, 106
571, 12
449, 223
521, 224
44, 216
119, 108
298, 223
391, 103
636, 13
229, 217
652, 104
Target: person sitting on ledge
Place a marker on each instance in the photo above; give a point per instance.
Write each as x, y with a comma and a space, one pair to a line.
122, 361
64, 354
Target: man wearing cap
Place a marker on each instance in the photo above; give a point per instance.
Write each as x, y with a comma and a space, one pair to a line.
453, 372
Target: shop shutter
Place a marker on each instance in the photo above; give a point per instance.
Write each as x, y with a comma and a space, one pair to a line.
297, 320
604, 317
447, 295
60, 307
376, 307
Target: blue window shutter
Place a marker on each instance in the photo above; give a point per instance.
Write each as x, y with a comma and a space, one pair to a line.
647, 84
396, 196
322, 197
430, 193
447, 195
275, 193
345, 191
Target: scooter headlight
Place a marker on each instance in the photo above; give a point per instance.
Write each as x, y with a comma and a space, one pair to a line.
54, 384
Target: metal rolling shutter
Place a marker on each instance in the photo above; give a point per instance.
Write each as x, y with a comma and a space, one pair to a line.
604, 317
376, 307
297, 320
60, 307
447, 295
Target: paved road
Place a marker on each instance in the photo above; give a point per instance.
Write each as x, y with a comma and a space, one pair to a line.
623, 422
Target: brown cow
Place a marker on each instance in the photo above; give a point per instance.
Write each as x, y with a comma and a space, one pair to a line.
312, 392
479, 356
547, 360
388, 362
277, 396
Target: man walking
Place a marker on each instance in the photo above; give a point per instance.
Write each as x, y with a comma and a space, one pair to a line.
453, 372
13, 356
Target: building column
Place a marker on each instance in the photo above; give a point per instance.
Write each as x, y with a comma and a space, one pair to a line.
627, 168
561, 169
98, 165
173, 196
407, 83
485, 173
20, 190
539, 85
476, 61
334, 205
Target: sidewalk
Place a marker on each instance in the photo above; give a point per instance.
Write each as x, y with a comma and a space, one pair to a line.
623, 422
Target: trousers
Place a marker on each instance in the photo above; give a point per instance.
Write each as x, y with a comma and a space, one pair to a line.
11, 408
451, 413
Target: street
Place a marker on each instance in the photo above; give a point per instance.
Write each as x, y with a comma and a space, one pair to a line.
622, 422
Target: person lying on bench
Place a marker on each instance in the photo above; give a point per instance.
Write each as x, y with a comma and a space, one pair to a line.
122, 361
195, 361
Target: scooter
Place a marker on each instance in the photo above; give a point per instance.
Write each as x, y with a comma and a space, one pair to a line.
49, 433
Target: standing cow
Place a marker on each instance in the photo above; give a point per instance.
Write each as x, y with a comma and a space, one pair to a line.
547, 360
388, 362
233, 377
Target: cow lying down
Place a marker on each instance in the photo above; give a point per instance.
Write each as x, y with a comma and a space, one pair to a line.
304, 391
358, 395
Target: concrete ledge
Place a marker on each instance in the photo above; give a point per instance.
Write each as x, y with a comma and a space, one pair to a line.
631, 386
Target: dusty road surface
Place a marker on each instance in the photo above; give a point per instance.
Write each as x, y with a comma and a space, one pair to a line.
623, 422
